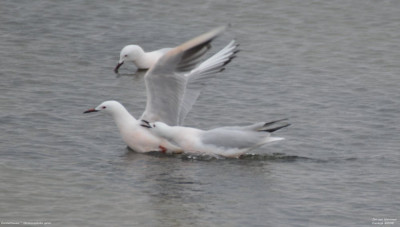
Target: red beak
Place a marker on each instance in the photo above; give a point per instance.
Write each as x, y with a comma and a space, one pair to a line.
117, 67
90, 111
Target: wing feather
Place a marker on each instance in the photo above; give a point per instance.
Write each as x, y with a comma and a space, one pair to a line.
197, 79
166, 80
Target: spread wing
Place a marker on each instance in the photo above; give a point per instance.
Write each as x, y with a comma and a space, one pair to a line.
198, 77
166, 80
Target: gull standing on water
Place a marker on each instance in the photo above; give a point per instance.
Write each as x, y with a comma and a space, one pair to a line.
225, 141
173, 85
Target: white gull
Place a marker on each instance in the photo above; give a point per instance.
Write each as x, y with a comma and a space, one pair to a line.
173, 85
142, 59
224, 141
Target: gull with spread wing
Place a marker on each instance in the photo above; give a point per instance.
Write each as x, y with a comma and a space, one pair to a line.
173, 85
224, 141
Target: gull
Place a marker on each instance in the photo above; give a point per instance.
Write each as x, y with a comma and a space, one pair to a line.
173, 85
224, 141
142, 59
132, 134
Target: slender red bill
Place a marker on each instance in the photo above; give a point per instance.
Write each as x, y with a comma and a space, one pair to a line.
117, 67
90, 110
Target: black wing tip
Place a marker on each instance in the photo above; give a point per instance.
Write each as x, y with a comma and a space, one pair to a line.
230, 59
145, 124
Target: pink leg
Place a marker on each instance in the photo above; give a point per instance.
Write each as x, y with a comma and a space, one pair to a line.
163, 149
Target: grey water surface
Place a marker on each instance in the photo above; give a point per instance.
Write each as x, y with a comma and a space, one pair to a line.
331, 67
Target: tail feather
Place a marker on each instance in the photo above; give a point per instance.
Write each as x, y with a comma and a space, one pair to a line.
276, 128
267, 126
273, 122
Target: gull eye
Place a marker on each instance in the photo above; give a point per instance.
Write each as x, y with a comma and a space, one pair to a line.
125, 55
103, 107
154, 125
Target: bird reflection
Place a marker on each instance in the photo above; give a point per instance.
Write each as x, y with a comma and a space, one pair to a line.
138, 75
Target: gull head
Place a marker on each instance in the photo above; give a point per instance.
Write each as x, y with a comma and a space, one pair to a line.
158, 127
128, 53
107, 106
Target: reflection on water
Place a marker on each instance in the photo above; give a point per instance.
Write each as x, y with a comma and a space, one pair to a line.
274, 157
137, 76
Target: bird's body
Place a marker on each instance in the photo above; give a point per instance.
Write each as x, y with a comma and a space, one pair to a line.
223, 141
136, 137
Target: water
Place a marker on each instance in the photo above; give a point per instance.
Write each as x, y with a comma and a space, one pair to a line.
331, 67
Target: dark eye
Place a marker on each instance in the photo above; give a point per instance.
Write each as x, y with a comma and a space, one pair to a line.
103, 107
126, 55
154, 125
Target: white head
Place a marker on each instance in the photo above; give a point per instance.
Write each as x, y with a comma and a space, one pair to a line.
108, 107
158, 127
129, 53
